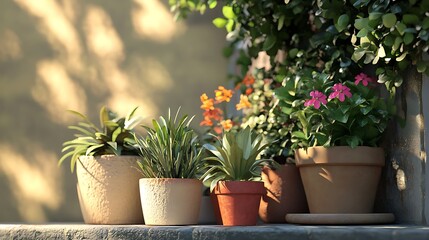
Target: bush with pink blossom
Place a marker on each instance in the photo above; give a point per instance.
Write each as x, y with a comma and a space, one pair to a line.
326, 111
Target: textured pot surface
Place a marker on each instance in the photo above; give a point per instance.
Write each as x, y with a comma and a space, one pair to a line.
340, 179
108, 189
239, 202
170, 201
285, 194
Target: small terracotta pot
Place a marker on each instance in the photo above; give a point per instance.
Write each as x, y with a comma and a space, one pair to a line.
285, 194
340, 179
239, 201
108, 189
170, 201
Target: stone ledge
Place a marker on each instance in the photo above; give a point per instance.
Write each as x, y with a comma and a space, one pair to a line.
205, 232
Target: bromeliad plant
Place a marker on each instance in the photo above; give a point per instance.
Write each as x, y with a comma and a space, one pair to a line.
335, 112
170, 149
235, 158
115, 136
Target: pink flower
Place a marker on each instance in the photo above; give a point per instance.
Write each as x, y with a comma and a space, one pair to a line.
316, 100
340, 92
362, 77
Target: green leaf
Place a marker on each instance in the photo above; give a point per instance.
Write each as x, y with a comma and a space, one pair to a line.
425, 23
374, 15
339, 116
229, 25
343, 22
220, 22
270, 41
358, 54
410, 19
408, 38
402, 57
421, 66
353, 141
381, 53
362, 33
228, 12
361, 23
298, 134
401, 28
321, 139
281, 22
212, 4
389, 20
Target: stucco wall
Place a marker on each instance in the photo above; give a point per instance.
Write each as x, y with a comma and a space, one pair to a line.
66, 54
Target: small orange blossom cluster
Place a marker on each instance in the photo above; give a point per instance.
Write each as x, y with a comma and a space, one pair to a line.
213, 114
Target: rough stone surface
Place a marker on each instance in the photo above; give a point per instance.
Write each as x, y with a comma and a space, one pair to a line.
205, 232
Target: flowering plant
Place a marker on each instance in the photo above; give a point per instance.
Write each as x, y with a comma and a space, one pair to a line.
335, 112
215, 117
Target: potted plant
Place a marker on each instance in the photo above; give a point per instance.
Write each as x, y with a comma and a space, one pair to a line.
285, 193
170, 161
261, 111
233, 171
105, 159
339, 123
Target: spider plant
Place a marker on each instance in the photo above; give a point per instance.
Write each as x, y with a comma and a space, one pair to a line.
170, 149
234, 158
115, 136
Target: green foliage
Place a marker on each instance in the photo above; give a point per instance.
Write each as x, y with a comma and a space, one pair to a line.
115, 136
170, 149
358, 120
267, 118
335, 37
235, 158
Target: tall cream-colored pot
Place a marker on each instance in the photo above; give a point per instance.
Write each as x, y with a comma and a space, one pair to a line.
170, 201
108, 189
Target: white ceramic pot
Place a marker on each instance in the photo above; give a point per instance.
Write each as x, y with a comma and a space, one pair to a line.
108, 189
170, 201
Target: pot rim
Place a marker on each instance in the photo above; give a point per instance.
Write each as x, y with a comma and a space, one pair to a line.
340, 156
168, 180
239, 187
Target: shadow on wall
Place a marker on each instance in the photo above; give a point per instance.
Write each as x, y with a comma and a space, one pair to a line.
80, 55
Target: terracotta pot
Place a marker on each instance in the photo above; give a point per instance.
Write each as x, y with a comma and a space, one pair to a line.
285, 194
340, 179
108, 189
170, 201
239, 201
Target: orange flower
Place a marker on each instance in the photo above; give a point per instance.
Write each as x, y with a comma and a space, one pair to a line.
248, 80
227, 124
249, 91
223, 94
244, 103
217, 130
207, 103
206, 122
215, 114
